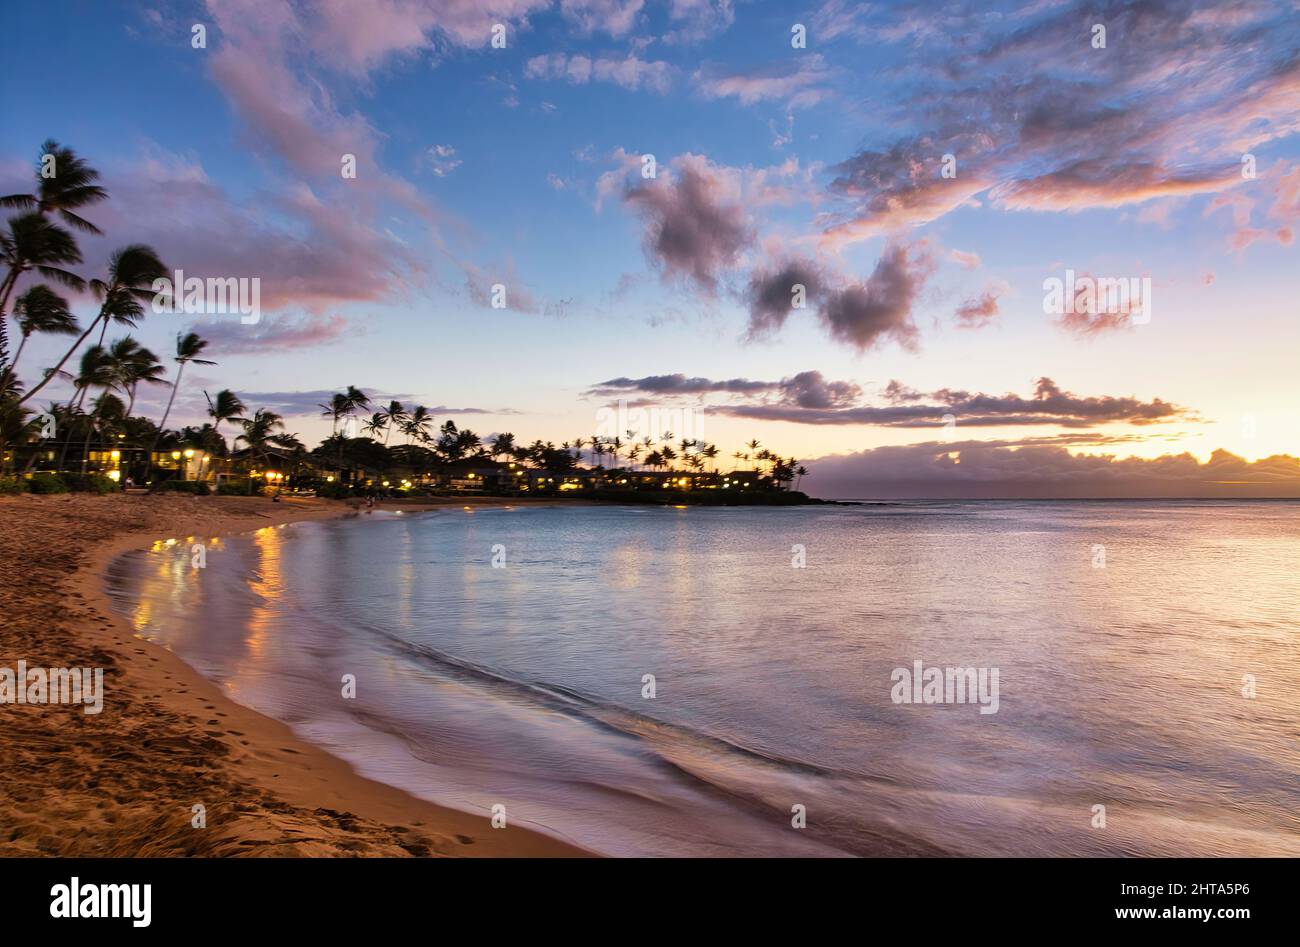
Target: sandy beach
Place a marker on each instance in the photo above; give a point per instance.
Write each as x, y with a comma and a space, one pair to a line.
124, 782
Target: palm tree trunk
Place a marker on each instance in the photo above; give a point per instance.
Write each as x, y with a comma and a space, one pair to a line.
12, 367
85, 451
204, 459
63, 452
162, 425
63, 361
7, 287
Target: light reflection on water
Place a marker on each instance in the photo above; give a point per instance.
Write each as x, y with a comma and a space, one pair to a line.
1119, 686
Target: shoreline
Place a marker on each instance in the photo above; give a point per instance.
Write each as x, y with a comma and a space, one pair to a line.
124, 782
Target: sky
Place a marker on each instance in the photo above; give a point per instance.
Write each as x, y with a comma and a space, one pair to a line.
650, 183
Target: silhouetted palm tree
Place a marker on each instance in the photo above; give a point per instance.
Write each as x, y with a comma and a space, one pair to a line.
135, 364
394, 416
131, 274
42, 310
64, 182
34, 244
263, 431
188, 349
226, 406
417, 425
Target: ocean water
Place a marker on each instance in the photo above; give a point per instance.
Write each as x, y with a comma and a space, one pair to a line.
1127, 638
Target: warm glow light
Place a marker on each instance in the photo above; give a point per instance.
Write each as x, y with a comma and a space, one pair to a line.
189, 453
176, 455
115, 474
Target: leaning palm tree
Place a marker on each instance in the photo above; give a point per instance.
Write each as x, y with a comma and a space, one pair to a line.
64, 182
261, 432
97, 370
42, 310
132, 271
378, 423
800, 472
394, 417
226, 406
33, 244
417, 425
503, 443
188, 349
711, 452
334, 409
135, 364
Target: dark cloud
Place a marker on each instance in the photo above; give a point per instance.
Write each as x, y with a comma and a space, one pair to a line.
860, 314
1048, 405
971, 469
678, 384
696, 226
805, 390
811, 390
865, 314
770, 295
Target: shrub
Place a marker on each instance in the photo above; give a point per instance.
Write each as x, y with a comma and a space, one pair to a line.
236, 488
334, 491
45, 482
176, 486
10, 486
89, 483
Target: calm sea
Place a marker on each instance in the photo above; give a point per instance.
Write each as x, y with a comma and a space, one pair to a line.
501, 658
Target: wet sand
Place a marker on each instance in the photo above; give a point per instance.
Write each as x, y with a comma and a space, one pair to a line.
124, 782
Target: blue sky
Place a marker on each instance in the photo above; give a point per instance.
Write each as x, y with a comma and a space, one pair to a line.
519, 166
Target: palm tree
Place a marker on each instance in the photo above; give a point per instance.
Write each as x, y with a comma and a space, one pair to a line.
417, 425
131, 274
634, 453
34, 244
40, 309
135, 364
72, 185
800, 473
97, 370
188, 349
378, 422
262, 431
711, 452
394, 416
668, 454
226, 406
502, 444
334, 409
